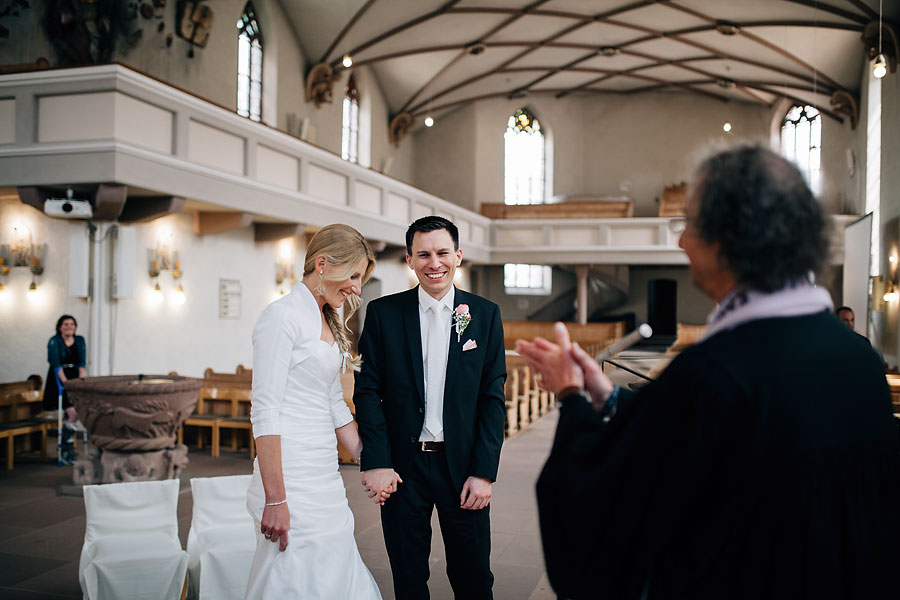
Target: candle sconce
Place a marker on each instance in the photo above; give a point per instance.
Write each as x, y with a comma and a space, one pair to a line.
22, 252
164, 258
284, 264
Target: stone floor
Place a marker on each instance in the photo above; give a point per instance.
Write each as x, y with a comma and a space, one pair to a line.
42, 530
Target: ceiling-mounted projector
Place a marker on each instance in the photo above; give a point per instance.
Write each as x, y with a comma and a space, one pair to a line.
68, 207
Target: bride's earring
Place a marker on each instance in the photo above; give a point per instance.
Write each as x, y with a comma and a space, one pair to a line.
320, 289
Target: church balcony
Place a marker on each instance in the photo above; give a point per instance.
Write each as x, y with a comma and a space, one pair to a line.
112, 124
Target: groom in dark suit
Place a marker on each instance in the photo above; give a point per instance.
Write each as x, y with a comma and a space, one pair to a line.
430, 408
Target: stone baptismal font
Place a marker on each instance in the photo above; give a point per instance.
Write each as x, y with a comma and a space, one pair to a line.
132, 423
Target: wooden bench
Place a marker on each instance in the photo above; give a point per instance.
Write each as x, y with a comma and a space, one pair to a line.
20, 403
586, 334
893, 380
616, 209
674, 201
526, 402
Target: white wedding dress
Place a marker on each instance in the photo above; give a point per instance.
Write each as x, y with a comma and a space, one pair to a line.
321, 560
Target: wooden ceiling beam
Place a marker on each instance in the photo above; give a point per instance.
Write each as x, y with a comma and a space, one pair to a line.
750, 36
865, 8
535, 45
346, 29
797, 100
816, 4
213, 222
399, 29
522, 12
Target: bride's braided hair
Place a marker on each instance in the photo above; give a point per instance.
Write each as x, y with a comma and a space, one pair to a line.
344, 248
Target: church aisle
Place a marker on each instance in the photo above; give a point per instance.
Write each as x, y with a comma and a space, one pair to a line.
42, 531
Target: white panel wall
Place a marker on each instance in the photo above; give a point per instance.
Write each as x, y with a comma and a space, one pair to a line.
143, 124
215, 148
396, 207
7, 121
327, 185
368, 198
277, 168
73, 117
633, 236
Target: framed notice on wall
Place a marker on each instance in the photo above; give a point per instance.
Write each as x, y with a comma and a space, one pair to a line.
229, 299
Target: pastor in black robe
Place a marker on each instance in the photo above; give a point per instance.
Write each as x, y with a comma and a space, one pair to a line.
763, 463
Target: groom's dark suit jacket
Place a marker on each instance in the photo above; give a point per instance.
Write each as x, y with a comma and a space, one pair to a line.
389, 394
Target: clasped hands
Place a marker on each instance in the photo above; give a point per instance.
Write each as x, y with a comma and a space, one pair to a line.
565, 365
381, 483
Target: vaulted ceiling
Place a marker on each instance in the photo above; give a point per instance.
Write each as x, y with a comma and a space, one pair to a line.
432, 56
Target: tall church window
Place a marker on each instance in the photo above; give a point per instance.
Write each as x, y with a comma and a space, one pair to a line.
250, 44
350, 123
801, 142
523, 172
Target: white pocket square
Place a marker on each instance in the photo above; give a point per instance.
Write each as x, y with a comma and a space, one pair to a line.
469, 345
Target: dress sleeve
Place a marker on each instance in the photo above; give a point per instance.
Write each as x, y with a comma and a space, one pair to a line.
340, 412
276, 335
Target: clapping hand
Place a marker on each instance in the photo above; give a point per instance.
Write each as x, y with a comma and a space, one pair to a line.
380, 484
563, 365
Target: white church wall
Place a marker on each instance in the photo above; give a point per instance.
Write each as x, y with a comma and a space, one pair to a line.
604, 144
27, 321
142, 337
445, 161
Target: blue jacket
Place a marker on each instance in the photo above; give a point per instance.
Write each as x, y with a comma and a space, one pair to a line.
56, 352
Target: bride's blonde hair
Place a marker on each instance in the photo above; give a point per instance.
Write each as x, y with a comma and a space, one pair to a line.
344, 248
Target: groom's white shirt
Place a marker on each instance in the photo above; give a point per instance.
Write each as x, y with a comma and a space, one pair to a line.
446, 306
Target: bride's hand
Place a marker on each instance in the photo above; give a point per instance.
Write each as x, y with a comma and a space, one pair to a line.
275, 524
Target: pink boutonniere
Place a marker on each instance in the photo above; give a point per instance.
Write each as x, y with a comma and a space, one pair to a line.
461, 319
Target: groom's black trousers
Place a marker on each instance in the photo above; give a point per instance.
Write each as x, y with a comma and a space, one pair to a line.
406, 522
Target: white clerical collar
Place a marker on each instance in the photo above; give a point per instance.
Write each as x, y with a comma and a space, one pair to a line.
426, 301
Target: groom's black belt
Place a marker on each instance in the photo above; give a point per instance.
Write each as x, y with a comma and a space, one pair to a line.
431, 446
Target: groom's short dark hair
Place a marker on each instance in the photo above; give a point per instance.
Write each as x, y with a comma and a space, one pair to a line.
431, 223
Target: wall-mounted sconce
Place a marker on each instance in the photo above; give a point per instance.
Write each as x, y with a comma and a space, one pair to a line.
284, 264
164, 257
22, 252
891, 294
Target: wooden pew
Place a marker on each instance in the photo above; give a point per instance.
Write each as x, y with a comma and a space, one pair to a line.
512, 404
584, 334
615, 209
893, 380
20, 402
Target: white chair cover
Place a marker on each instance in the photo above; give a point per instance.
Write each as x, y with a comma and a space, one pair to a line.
131, 547
222, 540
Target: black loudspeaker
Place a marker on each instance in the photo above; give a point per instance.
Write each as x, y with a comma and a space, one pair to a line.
662, 306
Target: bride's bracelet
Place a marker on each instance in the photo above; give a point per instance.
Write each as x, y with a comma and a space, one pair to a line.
276, 503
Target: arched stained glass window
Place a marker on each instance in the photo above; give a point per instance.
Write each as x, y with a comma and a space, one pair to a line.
523, 172
350, 123
801, 142
249, 90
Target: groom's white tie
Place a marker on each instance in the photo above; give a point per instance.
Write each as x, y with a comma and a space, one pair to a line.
434, 401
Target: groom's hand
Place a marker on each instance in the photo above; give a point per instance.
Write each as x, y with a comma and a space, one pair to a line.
476, 493
380, 484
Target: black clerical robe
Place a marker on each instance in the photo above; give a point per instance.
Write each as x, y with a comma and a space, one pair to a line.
763, 463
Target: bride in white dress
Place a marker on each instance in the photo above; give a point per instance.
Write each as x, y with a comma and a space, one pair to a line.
304, 528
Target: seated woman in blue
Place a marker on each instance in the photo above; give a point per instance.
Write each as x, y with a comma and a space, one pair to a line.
66, 353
